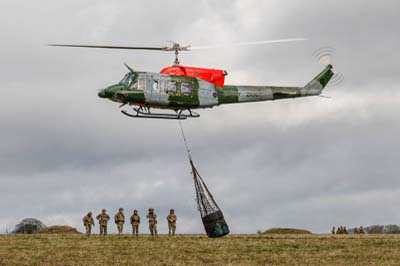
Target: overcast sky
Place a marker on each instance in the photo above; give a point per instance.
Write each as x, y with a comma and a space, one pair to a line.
309, 163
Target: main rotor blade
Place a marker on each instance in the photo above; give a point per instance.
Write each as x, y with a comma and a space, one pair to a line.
246, 43
110, 47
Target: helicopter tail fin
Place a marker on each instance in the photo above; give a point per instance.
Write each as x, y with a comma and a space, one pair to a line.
315, 86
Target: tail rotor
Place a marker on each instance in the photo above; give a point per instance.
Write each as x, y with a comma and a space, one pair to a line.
324, 56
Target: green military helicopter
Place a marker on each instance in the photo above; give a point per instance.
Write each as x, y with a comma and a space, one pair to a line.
183, 89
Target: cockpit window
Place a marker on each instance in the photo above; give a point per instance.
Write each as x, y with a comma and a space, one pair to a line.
126, 80
129, 81
141, 83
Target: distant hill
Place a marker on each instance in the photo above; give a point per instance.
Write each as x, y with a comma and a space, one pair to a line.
287, 231
59, 229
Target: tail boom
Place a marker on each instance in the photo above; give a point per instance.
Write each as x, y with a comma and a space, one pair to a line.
240, 94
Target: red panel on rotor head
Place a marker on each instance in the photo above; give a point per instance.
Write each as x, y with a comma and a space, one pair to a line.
215, 76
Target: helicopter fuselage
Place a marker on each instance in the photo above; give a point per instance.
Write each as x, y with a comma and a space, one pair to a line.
164, 91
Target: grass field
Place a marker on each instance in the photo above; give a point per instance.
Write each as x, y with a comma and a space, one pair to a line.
199, 250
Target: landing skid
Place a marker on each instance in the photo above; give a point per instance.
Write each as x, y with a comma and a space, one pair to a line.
180, 115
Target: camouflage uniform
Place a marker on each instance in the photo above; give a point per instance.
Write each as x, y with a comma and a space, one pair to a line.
152, 222
103, 220
88, 222
135, 221
171, 218
333, 231
119, 219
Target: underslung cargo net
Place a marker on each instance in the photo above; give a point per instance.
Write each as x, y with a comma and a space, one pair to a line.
211, 215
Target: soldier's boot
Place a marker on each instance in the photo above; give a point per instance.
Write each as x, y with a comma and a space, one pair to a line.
105, 231
169, 231
173, 231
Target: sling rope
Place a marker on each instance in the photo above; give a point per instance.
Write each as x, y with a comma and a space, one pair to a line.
184, 139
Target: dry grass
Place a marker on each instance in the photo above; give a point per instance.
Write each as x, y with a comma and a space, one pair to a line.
66, 250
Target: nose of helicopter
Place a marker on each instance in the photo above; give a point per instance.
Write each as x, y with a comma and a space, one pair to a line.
107, 92
102, 94
110, 91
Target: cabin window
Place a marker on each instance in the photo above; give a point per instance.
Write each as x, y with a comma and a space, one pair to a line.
186, 89
163, 85
171, 87
155, 85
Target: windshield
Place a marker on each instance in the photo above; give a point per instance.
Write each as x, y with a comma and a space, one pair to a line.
129, 81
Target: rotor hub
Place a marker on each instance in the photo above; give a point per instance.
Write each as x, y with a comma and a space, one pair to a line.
176, 47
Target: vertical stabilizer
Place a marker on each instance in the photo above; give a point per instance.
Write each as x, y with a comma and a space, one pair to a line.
316, 86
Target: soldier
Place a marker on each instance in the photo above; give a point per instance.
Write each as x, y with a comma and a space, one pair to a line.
345, 230
356, 231
135, 221
103, 220
171, 218
88, 222
333, 231
339, 230
361, 230
152, 222
119, 219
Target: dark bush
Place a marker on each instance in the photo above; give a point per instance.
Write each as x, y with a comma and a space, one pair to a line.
29, 226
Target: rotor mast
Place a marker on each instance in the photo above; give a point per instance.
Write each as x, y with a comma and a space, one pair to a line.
176, 62
176, 47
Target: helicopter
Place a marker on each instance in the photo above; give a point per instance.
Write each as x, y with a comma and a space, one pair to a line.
184, 89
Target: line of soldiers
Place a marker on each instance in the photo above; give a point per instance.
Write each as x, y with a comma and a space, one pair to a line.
342, 230
119, 219
359, 231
